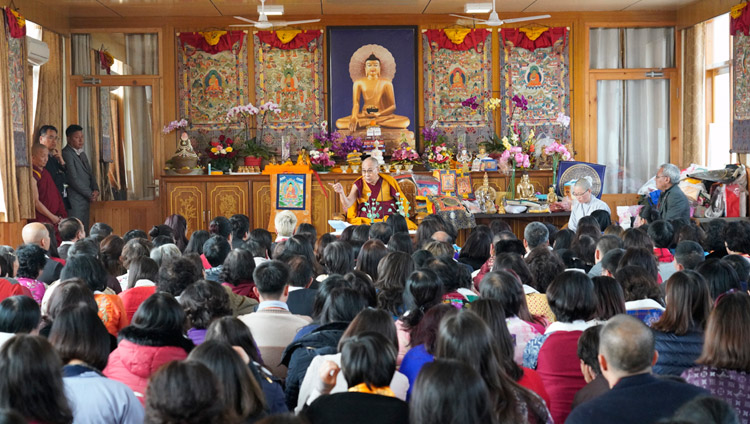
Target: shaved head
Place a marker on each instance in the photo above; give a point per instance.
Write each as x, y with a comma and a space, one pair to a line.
35, 233
627, 344
372, 161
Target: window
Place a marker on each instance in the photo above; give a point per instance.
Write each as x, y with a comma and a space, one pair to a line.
631, 78
718, 92
34, 31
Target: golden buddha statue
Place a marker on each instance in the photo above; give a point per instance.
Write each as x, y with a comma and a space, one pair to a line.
551, 196
373, 83
525, 189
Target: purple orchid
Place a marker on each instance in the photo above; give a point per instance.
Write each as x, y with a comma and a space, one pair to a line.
521, 102
471, 102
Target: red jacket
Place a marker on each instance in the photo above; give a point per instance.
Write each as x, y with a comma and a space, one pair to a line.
8, 289
132, 299
133, 364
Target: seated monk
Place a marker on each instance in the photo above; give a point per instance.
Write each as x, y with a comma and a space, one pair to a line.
372, 185
379, 101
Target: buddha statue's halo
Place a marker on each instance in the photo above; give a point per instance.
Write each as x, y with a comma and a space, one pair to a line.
357, 62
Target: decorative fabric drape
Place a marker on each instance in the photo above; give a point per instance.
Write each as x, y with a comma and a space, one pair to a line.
9, 204
301, 40
470, 40
520, 38
740, 19
198, 41
693, 100
49, 105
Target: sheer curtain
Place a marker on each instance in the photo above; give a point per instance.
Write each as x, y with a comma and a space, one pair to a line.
81, 58
632, 115
142, 59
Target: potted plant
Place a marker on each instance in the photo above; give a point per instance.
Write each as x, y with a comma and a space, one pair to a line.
253, 149
221, 153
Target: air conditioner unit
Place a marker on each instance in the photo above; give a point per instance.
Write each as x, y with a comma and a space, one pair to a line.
38, 51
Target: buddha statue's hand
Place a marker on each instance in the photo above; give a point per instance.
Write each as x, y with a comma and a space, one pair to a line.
353, 123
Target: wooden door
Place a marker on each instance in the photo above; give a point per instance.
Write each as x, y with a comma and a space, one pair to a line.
189, 200
227, 199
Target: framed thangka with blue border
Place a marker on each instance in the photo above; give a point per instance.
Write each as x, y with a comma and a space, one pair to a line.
291, 191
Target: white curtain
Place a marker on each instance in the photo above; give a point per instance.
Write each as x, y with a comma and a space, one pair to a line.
81, 52
142, 59
632, 115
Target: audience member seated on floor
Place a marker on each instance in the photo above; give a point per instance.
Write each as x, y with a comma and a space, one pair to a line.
285, 223
741, 266
610, 299
221, 226
31, 381
110, 253
203, 403
380, 231
67, 293
142, 278
705, 410
298, 245
368, 320
135, 248
36, 233
82, 342
643, 297
604, 245
92, 272
216, 249
18, 315
424, 342
678, 334
588, 352
393, 270
164, 253
154, 338
720, 276
240, 229
505, 287
242, 396
626, 355
203, 302
448, 391
301, 296
99, 231
368, 362
71, 230
688, 255
175, 276
544, 265
724, 366
662, 234
31, 263
554, 354
611, 261
341, 307
232, 331
237, 273
535, 234
536, 302
369, 257
195, 245
476, 249
272, 325
423, 291
491, 312
465, 337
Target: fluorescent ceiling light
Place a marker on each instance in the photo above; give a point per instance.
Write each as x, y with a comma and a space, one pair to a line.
477, 7
273, 10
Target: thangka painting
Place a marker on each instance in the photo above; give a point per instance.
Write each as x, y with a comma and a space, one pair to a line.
535, 63
212, 77
16, 77
289, 72
741, 70
291, 192
458, 65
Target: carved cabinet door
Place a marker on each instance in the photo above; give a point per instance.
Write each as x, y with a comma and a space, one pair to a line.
227, 199
189, 200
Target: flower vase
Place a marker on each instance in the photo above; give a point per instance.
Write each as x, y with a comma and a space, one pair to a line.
512, 184
555, 161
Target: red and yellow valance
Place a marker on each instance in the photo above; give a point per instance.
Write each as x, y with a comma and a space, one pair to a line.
212, 42
290, 39
534, 37
740, 19
460, 39
16, 23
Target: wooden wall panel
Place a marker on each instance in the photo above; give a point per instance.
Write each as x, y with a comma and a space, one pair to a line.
124, 216
227, 199
261, 201
10, 233
189, 200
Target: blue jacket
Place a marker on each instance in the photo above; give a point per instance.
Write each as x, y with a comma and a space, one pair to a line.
97, 399
677, 353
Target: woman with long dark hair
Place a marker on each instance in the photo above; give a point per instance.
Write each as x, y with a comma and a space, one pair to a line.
243, 398
82, 342
392, 272
369, 257
179, 227
724, 366
423, 291
678, 334
18, 315
476, 249
610, 299
466, 338
533, 287
31, 381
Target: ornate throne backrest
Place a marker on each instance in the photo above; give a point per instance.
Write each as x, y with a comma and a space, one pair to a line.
410, 191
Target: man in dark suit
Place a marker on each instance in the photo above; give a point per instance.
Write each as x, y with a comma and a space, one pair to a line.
55, 164
36, 233
673, 204
301, 297
82, 186
626, 354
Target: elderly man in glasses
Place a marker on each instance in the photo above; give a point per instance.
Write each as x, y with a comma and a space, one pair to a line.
673, 204
374, 194
583, 202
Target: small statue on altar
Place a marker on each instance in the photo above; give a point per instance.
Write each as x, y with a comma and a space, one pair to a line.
500, 202
464, 158
525, 189
482, 153
551, 196
486, 196
376, 153
303, 158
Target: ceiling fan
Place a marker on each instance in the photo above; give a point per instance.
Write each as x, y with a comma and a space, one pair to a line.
494, 20
264, 23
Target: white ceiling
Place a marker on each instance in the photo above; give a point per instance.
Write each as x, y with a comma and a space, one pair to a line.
213, 8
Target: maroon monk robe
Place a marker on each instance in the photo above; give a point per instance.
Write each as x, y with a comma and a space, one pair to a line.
48, 195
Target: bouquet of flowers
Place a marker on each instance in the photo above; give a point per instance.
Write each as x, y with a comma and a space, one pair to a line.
221, 153
405, 155
342, 146
557, 151
245, 115
512, 158
320, 160
436, 154
174, 125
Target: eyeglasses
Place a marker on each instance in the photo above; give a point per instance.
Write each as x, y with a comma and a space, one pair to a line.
660, 176
369, 171
580, 194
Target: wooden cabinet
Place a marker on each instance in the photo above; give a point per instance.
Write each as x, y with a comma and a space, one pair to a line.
200, 201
